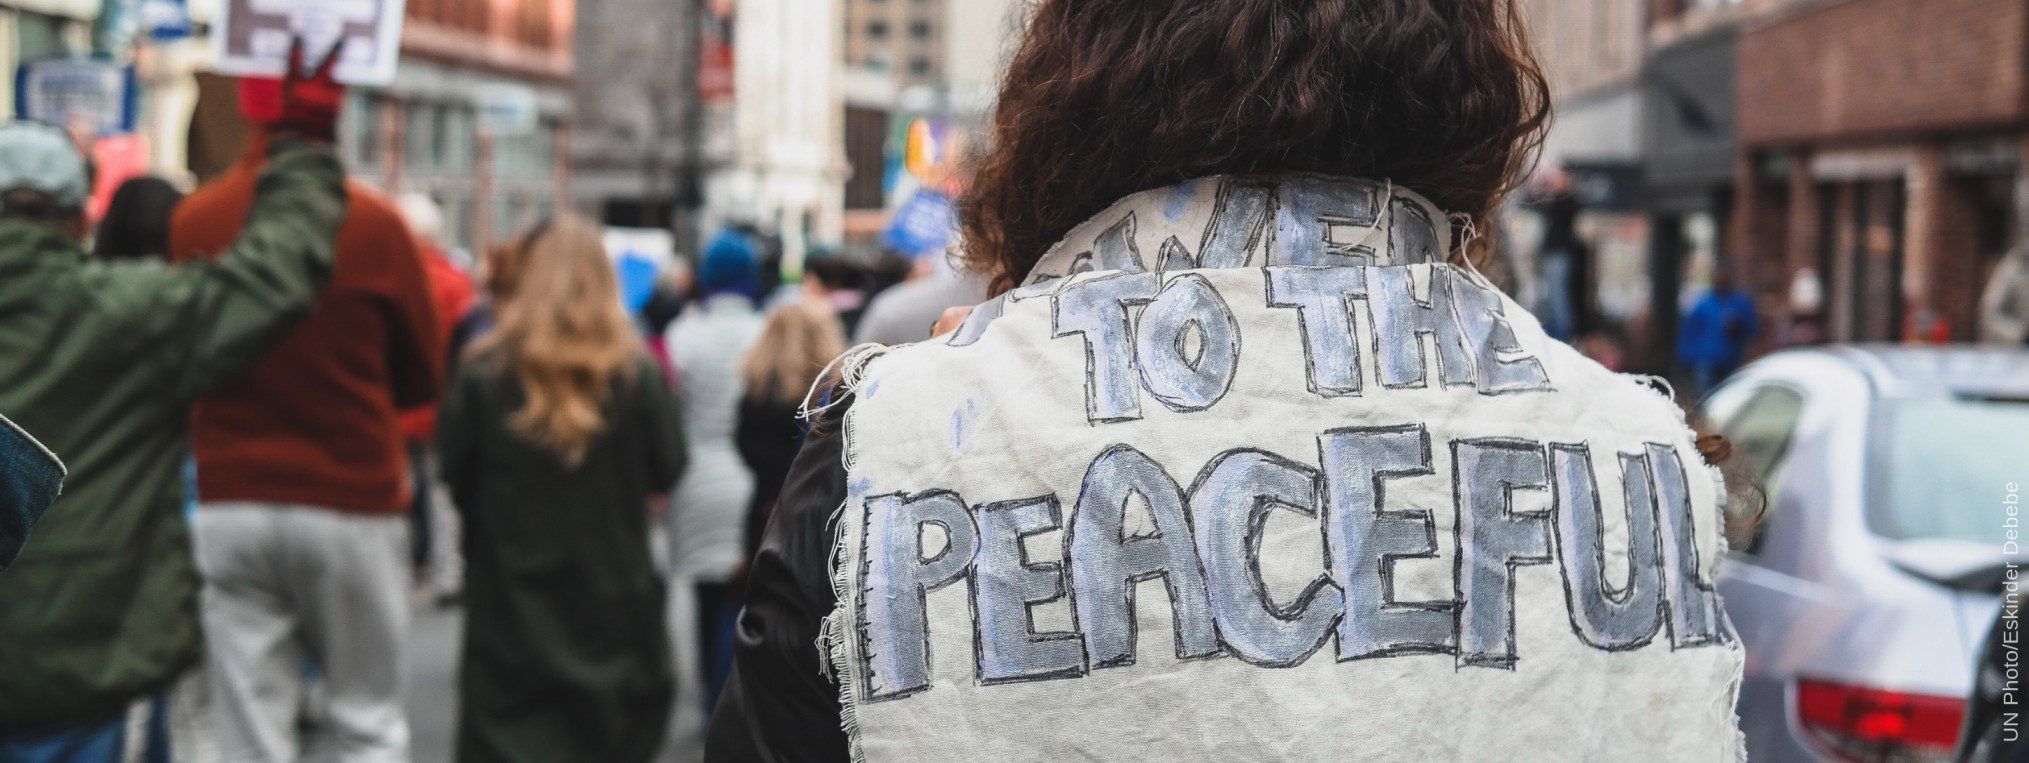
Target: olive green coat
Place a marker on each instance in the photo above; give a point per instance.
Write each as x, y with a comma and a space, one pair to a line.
566, 650
100, 362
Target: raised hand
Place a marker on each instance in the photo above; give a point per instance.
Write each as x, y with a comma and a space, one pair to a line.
311, 103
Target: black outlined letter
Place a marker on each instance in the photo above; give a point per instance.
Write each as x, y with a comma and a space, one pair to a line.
1603, 615
1182, 377
894, 628
1004, 587
1105, 563
1322, 298
1494, 539
1097, 310
1230, 504
1365, 538
1694, 603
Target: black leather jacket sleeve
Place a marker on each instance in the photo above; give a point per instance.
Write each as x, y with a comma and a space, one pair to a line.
778, 703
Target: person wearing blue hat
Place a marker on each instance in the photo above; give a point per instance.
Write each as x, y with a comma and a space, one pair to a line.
708, 510
101, 362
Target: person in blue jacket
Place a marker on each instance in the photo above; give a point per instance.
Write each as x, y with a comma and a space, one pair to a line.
1716, 331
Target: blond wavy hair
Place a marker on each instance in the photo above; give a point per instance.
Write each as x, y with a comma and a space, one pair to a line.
795, 344
561, 332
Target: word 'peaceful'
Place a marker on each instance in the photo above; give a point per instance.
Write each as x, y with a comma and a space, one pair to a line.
1206, 546
1183, 348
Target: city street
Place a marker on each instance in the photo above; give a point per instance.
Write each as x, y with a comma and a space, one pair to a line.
433, 681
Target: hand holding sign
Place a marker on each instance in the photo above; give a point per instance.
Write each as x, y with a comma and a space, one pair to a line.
311, 104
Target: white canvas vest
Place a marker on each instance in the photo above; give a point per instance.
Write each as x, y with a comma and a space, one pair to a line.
1244, 472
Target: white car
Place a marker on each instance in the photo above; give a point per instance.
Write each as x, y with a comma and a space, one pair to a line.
1875, 574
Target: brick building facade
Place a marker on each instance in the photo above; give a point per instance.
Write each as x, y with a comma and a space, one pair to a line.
426, 132
1881, 146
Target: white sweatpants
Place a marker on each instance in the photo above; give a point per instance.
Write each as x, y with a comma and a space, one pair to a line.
294, 594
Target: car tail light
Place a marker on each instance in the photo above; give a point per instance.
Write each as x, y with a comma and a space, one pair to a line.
1853, 723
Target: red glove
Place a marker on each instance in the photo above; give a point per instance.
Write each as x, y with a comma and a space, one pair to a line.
310, 104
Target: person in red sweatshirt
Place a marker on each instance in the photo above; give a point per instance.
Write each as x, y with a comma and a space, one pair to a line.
303, 486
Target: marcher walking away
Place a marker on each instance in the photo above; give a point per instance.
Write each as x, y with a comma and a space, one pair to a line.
101, 362
301, 531
433, 526
1716, 332
837, 285
904, 313
137, 220
796, 343
709, 508
556, 432
1245, 460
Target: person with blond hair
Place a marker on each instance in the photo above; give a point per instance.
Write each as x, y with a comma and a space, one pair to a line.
795, 344
555, 434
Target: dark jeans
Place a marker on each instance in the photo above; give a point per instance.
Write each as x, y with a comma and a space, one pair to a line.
419, 507
718, 613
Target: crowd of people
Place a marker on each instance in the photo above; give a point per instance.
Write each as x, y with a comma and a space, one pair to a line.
290, 414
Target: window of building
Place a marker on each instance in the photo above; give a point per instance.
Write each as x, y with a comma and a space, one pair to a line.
919, 66
866, 136
877, 30
878, 62
359, 129
919, 30
420, 143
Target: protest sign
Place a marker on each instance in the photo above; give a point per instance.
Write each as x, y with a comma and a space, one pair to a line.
924, 223
98, 96
251, 37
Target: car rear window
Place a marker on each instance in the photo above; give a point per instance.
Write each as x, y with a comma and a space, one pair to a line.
1944, 465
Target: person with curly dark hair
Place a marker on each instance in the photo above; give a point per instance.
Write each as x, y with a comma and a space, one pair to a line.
1245, 459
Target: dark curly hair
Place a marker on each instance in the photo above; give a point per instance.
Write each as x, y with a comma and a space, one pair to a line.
1105, 98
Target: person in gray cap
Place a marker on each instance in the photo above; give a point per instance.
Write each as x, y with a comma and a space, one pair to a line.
101, 361
44, 177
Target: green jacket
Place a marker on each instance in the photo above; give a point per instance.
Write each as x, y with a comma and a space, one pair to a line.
101, 362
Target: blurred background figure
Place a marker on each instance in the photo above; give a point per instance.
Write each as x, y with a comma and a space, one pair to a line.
905, 313
708, 511
137, 220
795, 344
304, 486
1563, 260
1716, 332
839, 286
433, 528
556, 432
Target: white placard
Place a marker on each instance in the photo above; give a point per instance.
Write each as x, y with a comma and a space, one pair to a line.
251, 37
